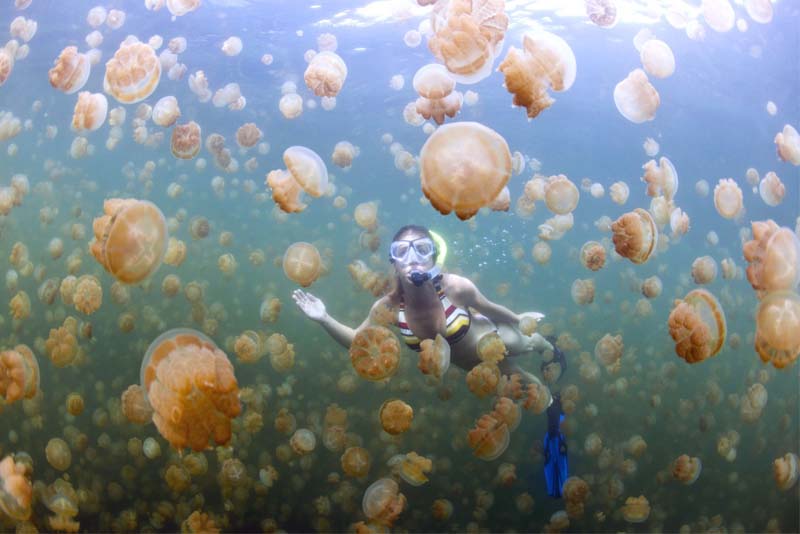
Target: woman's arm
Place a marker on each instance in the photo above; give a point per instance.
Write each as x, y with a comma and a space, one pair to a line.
314, 308
467, 293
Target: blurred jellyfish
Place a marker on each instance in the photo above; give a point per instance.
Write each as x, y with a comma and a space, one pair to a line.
728, 198
657, 58
686, 469
70, 70
771, 189
787, 143
773, 256
784, 470
636, 99
434, 356
778, 328
697, 325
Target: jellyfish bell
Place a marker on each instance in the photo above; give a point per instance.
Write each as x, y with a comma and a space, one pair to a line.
16, 491
383, 502
90, 112
719, 15
561, 195
778, 328
302, 263
375, 353
697, 325
787, 143
785, 471
308, 169
661, 178
728, 198
771, 189
774, 257
635, 235
325, 74
636, 99
657, 58
434, 356
133, 73
686, 469
70, 70
602, 12
546, 61
463, 167
433, 81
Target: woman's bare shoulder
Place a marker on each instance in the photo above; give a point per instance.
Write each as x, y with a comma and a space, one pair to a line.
453, 283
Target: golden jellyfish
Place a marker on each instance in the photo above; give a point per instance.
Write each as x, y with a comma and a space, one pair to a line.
661, 178
728, 198
16, 490
657, 58
130, 239
249, 347
179, 8
432, 81
608, 350
537, 398
411, 467
467, 37
135, 406
58, 454
438, 108
560, 195
166, 111
20, 306
490, 437
343, 154
90, 112
191, 386
70, 70
636, 509
787, 143
133, 73
582, 291
442, 509
697, 325
784, 470
593, 255
463, 167
383, 503
396, 416
291, 105
185, 140
62, 499
248, 135
482, 380
636, 99
602, 12
356, 462
61, 346
74, 404
375, 353
7, 60
302, 263
491, 348
286, 191
366, 215
686, 469
774, 257
507, 411
651, 287
778, 328
546, 61
303, 441
88, 296
434, 356
704, 270
771, 189
19, 374
308, 169
635, 235
325, 74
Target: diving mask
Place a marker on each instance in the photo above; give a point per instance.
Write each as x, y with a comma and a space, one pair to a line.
412, 251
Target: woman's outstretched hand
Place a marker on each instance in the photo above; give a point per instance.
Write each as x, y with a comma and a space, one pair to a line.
311, 305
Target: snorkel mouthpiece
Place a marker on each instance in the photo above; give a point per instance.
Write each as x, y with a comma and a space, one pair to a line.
419, 277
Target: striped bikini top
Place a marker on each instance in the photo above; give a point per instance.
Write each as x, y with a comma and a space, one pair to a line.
457, 320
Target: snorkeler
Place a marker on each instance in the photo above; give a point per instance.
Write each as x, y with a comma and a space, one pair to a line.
430, 302
555, 449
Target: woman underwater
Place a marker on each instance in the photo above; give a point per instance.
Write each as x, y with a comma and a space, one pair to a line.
430, 302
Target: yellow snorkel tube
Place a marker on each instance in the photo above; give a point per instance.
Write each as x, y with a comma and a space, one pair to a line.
441, 249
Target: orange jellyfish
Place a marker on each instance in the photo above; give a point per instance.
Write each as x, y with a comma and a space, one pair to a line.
434, 356
774, 257
133, 73
463, 167
383, 503
302, 263
636, 509
286, 191
190, 384
130, 239
635, 235
185, 140
396, 416
438, 108
375, 353
179, 8
728, 198
325, 74
19, 374
135, 406
697, 325
778, 328
490, 437
356, 462
771, 189
560, 195
784, 469
593, 255
15, 490
308, 169
636, 99
546, 61
7, 60
411, 467
248, 135
661, 178
90, 112
787, 143
507, 411
537, 398
686, 469
482, 380
70, 70
491, 348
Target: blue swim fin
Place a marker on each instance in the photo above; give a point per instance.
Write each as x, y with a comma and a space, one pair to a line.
556, 468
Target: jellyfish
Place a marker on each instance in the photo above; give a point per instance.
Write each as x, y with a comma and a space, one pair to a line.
507, 411
325, 74
133, 73
560, 195
636, 509
356, 462
249, 347
686, 469
778, 328
545, 62
130, 239
602, 12
166, 112
232, 46
593, 255
728, 198
74, 404
774, 257
396, 416
70, 70
366, 215
697, 325
464, 166
537, 398
19, 374
784, 470
411, 467
16, 490
490, 437
286, 191
179, 8
467, 36
657, 58
704, 270
302, 263
635, 235
771, 189
383, 503
343, 154
787, 143
61, 346
58, 454
190, 384
661, 178
438, 108
308, 169
303, 441
608, 350
375, 353
61, 499
291, 105
582, 291
651, 287
248, 135
434, 356
636, 99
